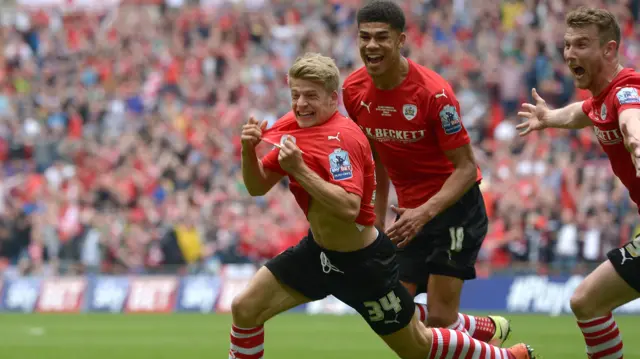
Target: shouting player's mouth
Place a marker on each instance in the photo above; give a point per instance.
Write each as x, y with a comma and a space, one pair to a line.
375, 59
578, 71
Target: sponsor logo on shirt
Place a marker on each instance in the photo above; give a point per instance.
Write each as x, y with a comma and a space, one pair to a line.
386, 134
608, 137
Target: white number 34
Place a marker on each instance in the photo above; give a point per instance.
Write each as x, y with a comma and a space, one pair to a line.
457, 236
385, 304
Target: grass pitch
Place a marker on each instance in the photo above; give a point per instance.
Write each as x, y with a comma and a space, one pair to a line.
290, 336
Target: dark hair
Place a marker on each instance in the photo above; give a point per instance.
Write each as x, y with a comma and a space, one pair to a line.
605, 21
384, 11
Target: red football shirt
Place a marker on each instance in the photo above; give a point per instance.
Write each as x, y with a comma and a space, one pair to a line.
604, 111
337, 151
411, 127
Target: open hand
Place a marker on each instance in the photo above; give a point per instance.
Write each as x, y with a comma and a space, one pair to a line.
536, 115
407, 226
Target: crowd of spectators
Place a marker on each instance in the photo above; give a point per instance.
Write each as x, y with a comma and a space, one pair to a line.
119, 130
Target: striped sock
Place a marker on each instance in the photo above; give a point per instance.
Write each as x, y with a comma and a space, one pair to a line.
602, 337
247, 343
481, 328
422, 312
459, 326
450, 344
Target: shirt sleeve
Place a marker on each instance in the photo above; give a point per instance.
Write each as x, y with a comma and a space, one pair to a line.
270, 162
348, 102
626, 98
345, 166
444, 111
587, 106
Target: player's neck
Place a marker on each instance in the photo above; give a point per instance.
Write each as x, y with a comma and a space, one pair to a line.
394, 76
605, 80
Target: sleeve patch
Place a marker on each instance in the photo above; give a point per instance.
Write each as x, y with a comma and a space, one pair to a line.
339, 165
628, 95
450, 120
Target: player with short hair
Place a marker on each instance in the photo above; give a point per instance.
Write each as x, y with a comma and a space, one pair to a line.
412, 119
331, 171
592, 42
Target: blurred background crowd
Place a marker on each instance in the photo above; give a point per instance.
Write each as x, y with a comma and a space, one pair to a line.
119, 129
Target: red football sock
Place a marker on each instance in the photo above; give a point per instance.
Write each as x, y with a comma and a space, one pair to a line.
450, 344
602, 337
481, 328
247, 343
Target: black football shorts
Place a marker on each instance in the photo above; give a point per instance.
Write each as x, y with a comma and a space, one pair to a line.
367, 280
626, 261
449, 244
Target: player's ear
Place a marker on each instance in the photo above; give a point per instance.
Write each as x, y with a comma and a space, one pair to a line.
334, 98
611, 49
401, 40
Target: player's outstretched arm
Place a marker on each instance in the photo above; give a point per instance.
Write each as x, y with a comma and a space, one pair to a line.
257, 179
539, 116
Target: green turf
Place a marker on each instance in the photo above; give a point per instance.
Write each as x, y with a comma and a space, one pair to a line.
290, 336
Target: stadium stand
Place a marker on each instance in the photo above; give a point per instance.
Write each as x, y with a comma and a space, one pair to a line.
119, 130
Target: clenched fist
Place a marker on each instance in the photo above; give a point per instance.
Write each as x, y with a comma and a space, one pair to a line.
252, 133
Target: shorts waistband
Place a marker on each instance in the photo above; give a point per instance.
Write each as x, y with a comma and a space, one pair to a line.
359, 253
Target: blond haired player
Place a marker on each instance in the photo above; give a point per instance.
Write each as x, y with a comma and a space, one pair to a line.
330, 165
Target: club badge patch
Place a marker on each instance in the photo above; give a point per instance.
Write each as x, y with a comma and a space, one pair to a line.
409, 111
450, 120
340, 165
603, 112
628, 95
283, 139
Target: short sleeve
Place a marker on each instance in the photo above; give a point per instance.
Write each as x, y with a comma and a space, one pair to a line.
270, 162
347, 100
444, 110
626, 98
345, 166
587, 106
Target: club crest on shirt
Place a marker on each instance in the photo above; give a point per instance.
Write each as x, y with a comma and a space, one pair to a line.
627, 95
450, 120
283, 139
409, 111
603, 112
339, 165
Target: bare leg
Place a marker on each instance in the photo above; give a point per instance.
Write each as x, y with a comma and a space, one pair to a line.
264, 298
592, 304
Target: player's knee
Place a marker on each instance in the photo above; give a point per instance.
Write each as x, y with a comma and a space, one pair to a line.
581, 306
414, 342
244, 311
440, 314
